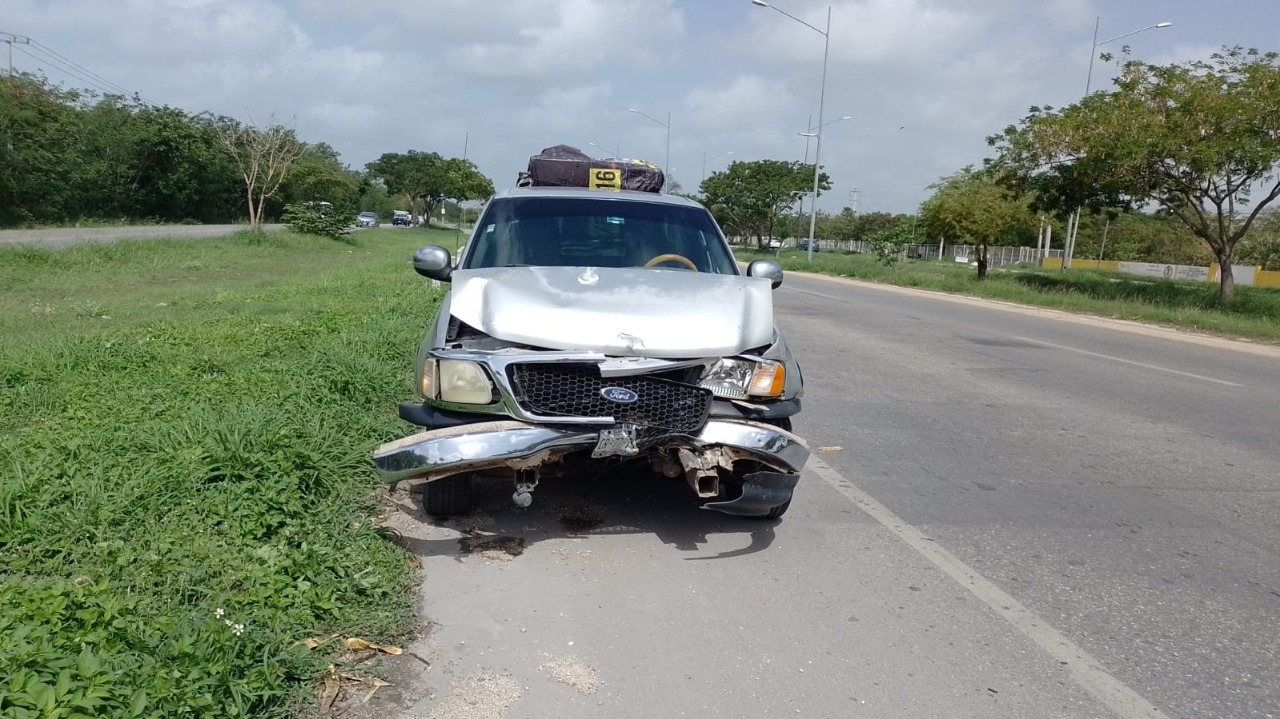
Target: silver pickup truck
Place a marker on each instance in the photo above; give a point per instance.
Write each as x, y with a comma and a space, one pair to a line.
584, 327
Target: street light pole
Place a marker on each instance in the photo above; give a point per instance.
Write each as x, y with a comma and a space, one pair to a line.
666, 164
1069, 242
809, 136
706, 159
822, 99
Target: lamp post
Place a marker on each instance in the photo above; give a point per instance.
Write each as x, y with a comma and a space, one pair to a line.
810, 135
1093, 50
616, 153
666, 164
822, 98
706, 159
1074, 224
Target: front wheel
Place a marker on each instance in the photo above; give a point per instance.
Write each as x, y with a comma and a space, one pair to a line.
448, 497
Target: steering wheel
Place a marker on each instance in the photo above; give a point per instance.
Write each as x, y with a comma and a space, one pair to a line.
672, 257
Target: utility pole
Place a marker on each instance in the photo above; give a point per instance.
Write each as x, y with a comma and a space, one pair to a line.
10, 39
854, 196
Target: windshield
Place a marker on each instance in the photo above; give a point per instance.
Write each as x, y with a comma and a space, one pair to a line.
367, 214
576, 232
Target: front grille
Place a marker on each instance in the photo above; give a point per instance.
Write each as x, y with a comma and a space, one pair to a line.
552, 389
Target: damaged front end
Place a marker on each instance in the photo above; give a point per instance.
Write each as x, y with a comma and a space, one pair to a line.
754, 465
528, 414
679, 373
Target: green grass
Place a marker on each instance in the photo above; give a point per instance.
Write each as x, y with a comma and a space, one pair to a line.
1253, 314
184, 437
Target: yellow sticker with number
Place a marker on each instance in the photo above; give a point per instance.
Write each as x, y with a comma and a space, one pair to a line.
604, 178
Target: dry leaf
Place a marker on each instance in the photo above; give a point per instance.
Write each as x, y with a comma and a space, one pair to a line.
357, 644
332, 685
313, 642
831, 449
394, 651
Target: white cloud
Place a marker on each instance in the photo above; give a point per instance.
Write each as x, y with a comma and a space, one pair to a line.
552, 40
506, 78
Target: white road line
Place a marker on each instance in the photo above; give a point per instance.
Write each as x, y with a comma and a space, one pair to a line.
1087, 671
1130, 362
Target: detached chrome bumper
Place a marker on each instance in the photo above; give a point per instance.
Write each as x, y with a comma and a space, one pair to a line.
442, 452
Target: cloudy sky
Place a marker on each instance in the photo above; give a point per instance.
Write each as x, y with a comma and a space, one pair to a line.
924, 81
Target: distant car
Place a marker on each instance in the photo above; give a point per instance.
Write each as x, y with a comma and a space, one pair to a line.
367, 219
401, 218
804, 245
773, 243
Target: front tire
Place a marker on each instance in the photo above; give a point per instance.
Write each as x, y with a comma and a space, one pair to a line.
448, 497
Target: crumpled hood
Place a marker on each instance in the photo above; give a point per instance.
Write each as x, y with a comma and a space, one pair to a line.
617, 311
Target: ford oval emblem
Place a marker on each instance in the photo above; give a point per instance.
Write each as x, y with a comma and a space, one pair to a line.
621, 395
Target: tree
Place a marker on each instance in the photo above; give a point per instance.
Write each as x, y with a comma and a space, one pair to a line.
429, 179
319, 175
889, 244
264, 158
747, 197
1197, 138
1262, 245
971, 206
850, 226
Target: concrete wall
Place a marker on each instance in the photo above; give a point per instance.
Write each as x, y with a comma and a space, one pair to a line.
1245, 275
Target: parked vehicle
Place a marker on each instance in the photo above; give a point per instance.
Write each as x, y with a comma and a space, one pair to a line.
367, 219
804, 245
587, 327
773, 243
401, 218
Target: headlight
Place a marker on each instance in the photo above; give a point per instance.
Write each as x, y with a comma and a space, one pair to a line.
464, 382
740, 378
427, 380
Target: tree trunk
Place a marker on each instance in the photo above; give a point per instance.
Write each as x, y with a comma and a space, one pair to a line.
257, 217
253, 215
1227, 288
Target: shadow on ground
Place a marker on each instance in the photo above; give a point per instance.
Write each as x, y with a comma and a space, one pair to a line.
619, 502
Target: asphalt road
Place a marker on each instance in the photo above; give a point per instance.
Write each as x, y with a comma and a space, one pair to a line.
66, 236
1007, 515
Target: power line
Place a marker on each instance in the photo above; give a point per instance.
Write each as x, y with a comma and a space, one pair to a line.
79, 67
43, 54
69, 73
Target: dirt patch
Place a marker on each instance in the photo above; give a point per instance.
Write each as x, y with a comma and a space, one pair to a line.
573, 672
579, 517
492, 546
479, 696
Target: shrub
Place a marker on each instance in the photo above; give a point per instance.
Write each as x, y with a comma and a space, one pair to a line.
309, 219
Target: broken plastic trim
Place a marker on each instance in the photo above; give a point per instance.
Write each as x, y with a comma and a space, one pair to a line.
762, 492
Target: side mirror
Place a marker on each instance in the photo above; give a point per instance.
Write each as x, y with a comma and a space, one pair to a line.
433, 262
767, 269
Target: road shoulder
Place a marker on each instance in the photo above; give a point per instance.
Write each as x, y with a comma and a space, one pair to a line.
1131, 326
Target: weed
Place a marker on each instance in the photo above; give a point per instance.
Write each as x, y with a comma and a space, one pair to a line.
185, 492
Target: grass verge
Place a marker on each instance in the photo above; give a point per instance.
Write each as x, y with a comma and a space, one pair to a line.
1253, 314
184, 438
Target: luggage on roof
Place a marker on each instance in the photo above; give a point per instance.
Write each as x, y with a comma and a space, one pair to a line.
565, 166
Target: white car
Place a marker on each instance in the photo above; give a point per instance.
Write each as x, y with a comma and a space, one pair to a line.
367, 219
